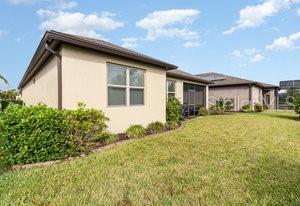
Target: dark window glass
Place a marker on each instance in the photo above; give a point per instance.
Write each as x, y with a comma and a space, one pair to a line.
136, 96
116, 96
136, 77
116, 74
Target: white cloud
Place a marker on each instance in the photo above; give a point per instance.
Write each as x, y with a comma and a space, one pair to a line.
284, 42
236, 53
23, 1
257, 58
130, 42
66, 5
254, 16
191, 44
18, 39
250, 55
168, 23
298, 12
78, 23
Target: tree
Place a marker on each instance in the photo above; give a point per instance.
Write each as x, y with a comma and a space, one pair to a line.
297, 105
3, 79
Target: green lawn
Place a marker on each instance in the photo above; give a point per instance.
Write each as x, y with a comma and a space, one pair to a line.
232, 159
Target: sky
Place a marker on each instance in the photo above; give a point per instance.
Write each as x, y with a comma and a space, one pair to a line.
257, 40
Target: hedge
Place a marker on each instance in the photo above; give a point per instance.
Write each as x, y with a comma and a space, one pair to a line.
40, 133
4, 103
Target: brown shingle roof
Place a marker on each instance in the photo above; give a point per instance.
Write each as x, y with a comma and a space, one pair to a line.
57, 38
226, 80
184, 75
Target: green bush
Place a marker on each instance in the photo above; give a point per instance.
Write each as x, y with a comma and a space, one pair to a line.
173, 110
106, 138
135, 131
4, 103
40, 133
297, 105
216, 110
229, 105
84, 125
171, 125
203, 111
246, 108
34, 134
258, 107
220, 104
155, 127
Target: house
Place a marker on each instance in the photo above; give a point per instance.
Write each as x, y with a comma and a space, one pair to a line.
131, 88
241, 91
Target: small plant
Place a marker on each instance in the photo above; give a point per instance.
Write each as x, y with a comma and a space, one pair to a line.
229, 105
258, 107
155, 127
135, 131
297, 105
246, 108
106, 138
173, 110
216, 110
203, 111
220, 103
171, 125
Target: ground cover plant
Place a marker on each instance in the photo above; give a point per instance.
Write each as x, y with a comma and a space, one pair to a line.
233, 159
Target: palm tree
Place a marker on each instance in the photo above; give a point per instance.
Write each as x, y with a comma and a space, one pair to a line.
3, 79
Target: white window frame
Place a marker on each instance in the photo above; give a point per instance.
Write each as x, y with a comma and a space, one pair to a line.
127, 86
171, 92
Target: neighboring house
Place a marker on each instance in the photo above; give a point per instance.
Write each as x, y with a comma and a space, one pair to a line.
241, 91
131, 88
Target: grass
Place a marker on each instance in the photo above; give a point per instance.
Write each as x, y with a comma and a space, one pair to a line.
249, 159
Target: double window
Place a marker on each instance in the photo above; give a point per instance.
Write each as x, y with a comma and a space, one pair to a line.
125, 85
170, 88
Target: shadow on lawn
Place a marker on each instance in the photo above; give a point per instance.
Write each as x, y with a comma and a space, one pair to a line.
290, 116
274, 181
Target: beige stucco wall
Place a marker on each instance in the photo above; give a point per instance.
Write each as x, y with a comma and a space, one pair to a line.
240, 94
256, 96
84, 76
179, 88
43, 87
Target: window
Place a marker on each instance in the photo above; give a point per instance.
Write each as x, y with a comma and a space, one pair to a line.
125, 82
170, 88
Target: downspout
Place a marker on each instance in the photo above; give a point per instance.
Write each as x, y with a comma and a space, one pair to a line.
59, 74
250, 96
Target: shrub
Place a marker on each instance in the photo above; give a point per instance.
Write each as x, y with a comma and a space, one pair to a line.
215, 109
220, 103
106, 138
4, 103
33, 134
40, 133
246, 108
171, 125
229, 105
84, 125
258, 107
203, 111
297, 105
155, 127
135, 131
173, 110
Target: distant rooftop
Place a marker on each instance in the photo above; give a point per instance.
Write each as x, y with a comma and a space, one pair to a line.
226, 80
